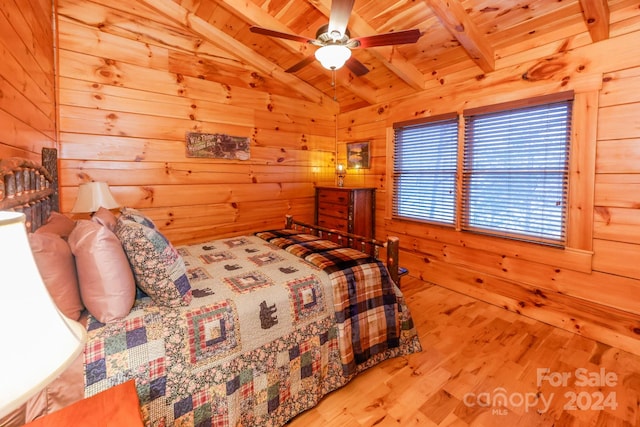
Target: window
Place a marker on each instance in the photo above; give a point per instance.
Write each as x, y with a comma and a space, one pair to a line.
425, 170
514, 169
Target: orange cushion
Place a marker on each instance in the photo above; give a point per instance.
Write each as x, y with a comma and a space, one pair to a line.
115, 407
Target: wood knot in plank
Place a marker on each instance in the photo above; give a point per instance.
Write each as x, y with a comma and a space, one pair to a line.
544, 70
539, 293
149, 193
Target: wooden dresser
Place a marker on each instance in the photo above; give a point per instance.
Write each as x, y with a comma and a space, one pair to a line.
349, 209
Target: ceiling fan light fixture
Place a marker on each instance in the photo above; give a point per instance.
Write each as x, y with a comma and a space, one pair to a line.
333, 56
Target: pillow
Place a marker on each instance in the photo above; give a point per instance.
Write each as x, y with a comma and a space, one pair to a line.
58, 270
136, 216
58, 224
107, 286
158, 268
17, 417
105, 217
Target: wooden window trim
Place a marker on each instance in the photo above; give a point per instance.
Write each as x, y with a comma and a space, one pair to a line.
578, 253
422, 120
521, 103
582, 171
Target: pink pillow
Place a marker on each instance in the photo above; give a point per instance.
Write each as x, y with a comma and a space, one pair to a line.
58, 270
58, 224
17, 417
106, 282
105, 217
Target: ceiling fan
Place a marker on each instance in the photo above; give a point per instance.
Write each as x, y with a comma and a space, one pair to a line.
335, 42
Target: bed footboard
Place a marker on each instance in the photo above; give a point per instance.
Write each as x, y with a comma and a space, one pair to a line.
364, 244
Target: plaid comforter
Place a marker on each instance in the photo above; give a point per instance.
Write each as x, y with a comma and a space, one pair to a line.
365, 304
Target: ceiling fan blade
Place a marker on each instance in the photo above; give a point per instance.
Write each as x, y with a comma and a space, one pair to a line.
273, 33
300, 65
386, 39
339, 15
356, 67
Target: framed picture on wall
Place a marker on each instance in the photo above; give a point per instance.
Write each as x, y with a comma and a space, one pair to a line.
358, 155
218, 146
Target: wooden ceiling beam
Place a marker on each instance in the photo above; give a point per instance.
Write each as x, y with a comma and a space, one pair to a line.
184, 17
388, 55
455, 19
596, 16
255, 15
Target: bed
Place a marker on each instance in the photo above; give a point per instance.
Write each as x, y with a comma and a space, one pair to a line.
248, 330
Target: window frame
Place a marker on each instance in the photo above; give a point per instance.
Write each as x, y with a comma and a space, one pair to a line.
568, 219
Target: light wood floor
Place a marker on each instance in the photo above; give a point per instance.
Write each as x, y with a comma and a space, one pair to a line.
484, 366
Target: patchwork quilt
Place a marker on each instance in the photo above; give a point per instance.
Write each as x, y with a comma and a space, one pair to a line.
267, 334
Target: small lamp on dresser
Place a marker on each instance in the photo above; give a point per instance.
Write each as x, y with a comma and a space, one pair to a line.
92, 196
341, 172
38, 342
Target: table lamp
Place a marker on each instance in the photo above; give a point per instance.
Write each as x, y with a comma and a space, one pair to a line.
38, 342
341, 172
93, 195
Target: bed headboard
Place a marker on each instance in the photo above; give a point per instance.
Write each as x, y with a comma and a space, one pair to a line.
29, 187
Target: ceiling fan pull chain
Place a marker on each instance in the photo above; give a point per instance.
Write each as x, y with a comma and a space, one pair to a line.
333, 84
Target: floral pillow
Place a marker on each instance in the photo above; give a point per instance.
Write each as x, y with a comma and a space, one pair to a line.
137, 216
157, 267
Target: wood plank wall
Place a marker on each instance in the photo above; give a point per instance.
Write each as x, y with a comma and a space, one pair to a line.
132, 85
27, 95
591, 288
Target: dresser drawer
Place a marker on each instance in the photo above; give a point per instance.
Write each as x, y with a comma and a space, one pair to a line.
333, 223
338, 197
334, 210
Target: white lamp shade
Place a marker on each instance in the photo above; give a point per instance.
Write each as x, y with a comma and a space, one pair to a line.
333, 56
38, 342
92, 196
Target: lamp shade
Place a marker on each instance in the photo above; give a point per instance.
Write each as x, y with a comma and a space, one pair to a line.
92, 196
38, 342
333, 56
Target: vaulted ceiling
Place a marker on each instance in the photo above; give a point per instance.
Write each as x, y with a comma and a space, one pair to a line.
461, 39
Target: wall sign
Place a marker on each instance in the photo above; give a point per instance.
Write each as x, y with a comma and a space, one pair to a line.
218, 146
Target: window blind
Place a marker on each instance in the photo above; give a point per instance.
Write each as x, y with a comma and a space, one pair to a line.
424, 170
515, 172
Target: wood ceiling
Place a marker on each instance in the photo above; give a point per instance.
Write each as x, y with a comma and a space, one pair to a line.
461, 39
